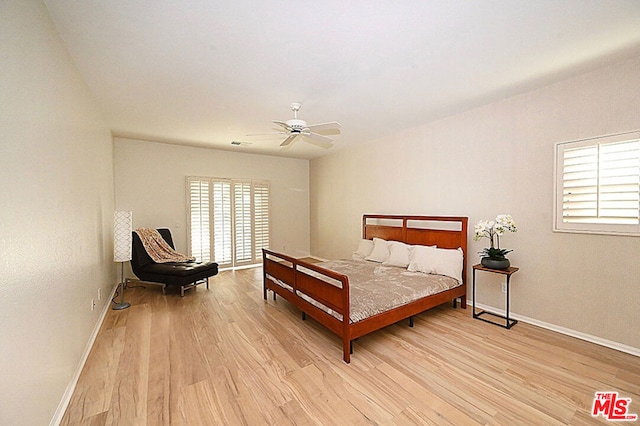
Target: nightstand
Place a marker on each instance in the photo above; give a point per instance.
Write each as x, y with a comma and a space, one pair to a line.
506, 272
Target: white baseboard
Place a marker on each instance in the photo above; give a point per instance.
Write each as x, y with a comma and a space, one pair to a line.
563, 330
71, 387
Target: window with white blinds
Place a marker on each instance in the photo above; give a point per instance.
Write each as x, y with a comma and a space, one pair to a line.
222, 223
230, 218
260, 217
242, 215
199, 225
598, 185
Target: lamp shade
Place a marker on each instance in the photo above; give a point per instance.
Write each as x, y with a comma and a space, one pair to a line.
122, 236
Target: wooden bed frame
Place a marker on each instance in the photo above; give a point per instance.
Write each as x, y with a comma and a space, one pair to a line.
296, 273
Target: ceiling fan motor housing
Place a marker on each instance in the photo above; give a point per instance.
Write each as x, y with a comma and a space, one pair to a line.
296, 125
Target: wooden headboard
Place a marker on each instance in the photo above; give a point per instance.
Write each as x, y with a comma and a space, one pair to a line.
443, 231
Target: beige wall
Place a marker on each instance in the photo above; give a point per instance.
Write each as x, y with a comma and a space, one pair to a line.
499, 159
150, 181
56, 187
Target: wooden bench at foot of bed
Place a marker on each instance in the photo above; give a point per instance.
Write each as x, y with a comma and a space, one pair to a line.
299, 282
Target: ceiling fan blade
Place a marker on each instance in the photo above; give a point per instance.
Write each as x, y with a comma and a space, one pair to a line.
267, 134
290, 139
330, 128
318, 140
284, 125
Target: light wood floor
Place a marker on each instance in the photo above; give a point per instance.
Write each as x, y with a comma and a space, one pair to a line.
227, 357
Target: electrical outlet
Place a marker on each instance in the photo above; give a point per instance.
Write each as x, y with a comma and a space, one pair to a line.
504, 287
99, 294
93, 304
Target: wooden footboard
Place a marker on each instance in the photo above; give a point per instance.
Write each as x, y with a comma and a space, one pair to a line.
309, 282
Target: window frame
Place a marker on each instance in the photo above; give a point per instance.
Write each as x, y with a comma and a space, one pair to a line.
559, 224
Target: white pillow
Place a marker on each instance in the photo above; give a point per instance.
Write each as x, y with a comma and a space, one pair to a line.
365, 247
398, 254
380, 251
432, 260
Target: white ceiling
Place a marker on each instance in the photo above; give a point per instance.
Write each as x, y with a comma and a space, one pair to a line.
206, 73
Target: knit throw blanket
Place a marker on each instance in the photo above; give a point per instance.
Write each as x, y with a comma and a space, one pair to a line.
158, 249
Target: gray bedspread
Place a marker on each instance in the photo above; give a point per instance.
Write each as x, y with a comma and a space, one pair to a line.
377, 288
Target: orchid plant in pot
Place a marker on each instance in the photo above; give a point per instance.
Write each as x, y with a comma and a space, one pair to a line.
494, 257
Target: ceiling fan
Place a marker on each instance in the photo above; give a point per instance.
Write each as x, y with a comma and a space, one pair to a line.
297, 128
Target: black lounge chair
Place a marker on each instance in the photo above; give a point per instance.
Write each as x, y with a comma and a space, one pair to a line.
185, 275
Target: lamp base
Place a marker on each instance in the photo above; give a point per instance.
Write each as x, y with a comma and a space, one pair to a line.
120, 306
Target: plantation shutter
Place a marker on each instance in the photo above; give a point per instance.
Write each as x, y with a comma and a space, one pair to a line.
222, 223
580, 184
228, 220
261, 217
619, 185
598, 185
199, 235
242, 216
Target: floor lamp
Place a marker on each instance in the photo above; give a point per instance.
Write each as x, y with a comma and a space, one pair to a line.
122, 249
